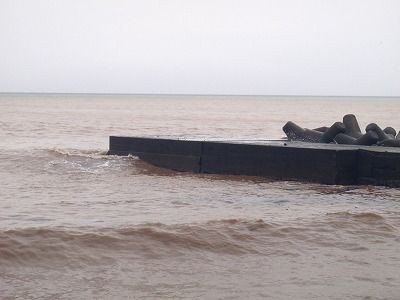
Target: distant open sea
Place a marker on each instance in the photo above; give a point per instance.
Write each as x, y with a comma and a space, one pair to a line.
78, 224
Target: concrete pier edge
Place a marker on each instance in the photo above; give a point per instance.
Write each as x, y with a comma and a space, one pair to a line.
281, 160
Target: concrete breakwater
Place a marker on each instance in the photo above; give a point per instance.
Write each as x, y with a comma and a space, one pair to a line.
347, 132
281, 160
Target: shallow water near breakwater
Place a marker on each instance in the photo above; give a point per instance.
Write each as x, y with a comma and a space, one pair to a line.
76, 223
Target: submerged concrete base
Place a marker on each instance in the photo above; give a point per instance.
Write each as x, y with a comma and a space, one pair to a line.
282, 160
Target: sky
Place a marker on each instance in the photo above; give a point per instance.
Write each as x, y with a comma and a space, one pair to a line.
251, 47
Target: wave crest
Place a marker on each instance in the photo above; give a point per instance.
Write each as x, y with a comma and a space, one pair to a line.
41, 245
53, 246
94, 154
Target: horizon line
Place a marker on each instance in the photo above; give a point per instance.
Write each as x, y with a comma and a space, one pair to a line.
189, 94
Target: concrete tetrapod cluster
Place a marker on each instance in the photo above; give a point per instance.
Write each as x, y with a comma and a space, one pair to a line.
347, 132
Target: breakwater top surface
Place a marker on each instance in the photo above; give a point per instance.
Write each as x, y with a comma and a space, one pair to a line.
76, 223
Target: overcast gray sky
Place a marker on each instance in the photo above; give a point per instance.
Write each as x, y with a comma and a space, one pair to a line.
270, 47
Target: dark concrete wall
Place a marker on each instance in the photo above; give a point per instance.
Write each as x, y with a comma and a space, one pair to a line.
172, 154
379, 168
327, 164
277, 162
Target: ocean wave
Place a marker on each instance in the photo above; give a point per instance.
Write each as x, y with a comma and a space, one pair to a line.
229, 236
94, 154
84, 161
74, 247
363, 216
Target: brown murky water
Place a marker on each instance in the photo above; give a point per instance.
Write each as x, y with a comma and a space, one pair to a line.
77, 224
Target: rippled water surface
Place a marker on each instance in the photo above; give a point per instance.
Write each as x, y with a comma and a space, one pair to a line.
78, 224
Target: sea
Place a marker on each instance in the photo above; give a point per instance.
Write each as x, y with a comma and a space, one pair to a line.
76, 223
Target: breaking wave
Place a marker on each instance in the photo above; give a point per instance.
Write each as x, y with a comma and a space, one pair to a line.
94, 154
54, 246
86, 161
